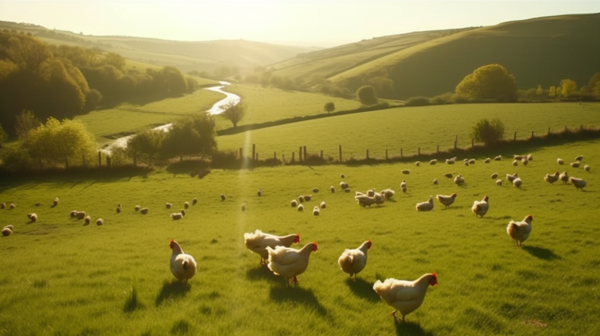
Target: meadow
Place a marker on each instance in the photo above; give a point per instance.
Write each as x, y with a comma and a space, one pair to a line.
60, 277
409, 128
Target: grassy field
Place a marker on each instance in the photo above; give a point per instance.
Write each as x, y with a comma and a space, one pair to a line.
410, 128
60, 277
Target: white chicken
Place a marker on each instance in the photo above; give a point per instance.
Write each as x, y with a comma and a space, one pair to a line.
352, 261
405, 296
551, 178
288, 262
564, 177
258, 241
458, 180
510, 177
446, 200
183, 266
480, 208
425, 206
519, 231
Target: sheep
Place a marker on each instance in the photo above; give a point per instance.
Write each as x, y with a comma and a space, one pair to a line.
498, 158
301, 198
6, 232
524, 161
458, 180
12, 228
119, 208
425, 206
517, 157
32, 217
371, 192
529, 157
560, 161
88, 220
332, 189
316, 211
432, 162
144, 211
451, 161
579, 158
435, 181
323, 205
300, 207
294, 203
137, 208
515, 163
80, 215
488, 160
586, 167
12, 206
510, 178
388, 193
578, 183
499, 182
448, 175
3, 206
73, 213
472, 161
467, 163
243, 207
575, 164
55, 201
494, 175
406, 171
365, 200
99, 221
194, 201
222, 197
176, 216
37, 204
417, 163
186, 205
342, 176
259, 192
168, 205
403, 186
307, 197
315, 190
344, 185
564, 177
347, 190
517, 182
182, 211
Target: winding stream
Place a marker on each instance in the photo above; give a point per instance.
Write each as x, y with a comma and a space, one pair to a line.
215, 109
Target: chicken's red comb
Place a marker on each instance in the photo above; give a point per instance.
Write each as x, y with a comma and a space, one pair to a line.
172, 241
435, 275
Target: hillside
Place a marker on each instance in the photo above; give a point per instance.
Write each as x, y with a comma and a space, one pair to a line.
187, 56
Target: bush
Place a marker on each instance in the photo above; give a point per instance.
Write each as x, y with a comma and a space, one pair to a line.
445, 98
366, 95
223, 159
488, 132
417, 101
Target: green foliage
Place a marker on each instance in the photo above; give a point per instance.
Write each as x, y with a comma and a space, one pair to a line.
3, 136
418, 101
552, 91
366, 95
568, 88
146, 144
488, 132
539, 91
24, 123
489, 82
92, 99
233, 111
329, 107
191, 136
383, 85
115, 60
597, 90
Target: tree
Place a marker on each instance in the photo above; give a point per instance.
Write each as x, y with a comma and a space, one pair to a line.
233, 111
147, 143
115, 60
552, 91
366, 95
190, 136
3, 136
488, 132
329, 107
539, 90
490, 81
597, 89
92, 99
25, 122
569, 87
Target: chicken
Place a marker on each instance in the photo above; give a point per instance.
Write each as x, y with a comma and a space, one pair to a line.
403, 186
405, 296
519, 231
480, 208
183, 266
564, 177
288, 262
458, 180
425, 206
258, 241
577, 182
510, 177
446, 200
353, 261
551, 178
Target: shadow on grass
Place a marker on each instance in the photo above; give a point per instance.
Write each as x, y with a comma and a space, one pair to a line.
541, 253
132, 303
410, 329
263, 273
298, 295
362, 289
171, 290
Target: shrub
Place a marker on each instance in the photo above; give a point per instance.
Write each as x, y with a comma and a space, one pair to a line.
366, 95
417, 101
445, 98
488, 132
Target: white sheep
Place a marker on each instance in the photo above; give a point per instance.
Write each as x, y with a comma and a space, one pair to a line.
517, 157
432, 162
332, 189
494, 175
144, 211
73, 213
578, 183
323, 205
579, 158
342, 176
510, 178
259, 192
371, 192
176, 216
3, 206
194, 201
137, 208
406, 171
315, 190
6, 232
517, 182
222, 197
560, 161
403, 186
88, 220
564, 177
425, 206
32, 217
524, 161
499, 182
119, 208
498, 158
316, 211
55, 201
99, 221
586, 167
435, 181
575, 164
347, 190
458, 180
294, 203
448, 175
10, 226
488, 160
182, 212
417, 163
451, 161
344, 185
80, 214
168, 205
300, 207
472, 161
12, 206
467, 163
388, 193
243, 207
529, 157
186, 205
515, 163
307, 197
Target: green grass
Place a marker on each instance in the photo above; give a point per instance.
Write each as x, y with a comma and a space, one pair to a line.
60, 277
409, 128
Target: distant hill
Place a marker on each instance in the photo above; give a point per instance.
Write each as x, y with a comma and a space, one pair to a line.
537, 51
187, 56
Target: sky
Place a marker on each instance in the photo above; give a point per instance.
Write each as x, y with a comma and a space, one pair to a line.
322, 23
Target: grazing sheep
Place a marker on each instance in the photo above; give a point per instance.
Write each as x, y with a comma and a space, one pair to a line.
144, 211
498, 158
300, 207
524, 161
518, 157
168, 205
579, 158
432, 162
510, 178
88, 220
364, 200
451, 161
488, 160
515, 163
564, 177
435, 181
186, 205
425, 206
578, 183
32, 217
73, 213
371, 192
560, 161
448, 175
517, 182
499, 182
259, 192
12, 206
301, 198
347, 190
9, 227
243, 207
575, 164
458, 180
294, 203
119, 208
307, 197
194, 201
342, 176
222, 197
529, 157
80, 214
495, 175
323, 205
417, 163
332, 189
586, 167
406, 171
99, 221
403, 186
316, 211
315, 190
137, 208
388, 193
467, 163
472, 161
3, 206
37, 204
182, 211
176, 216
6, 232
55, 201
344, 185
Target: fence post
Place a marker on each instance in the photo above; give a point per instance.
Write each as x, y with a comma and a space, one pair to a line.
386, 154
548, 130
253, 152
340, 153
367, 154
99, 159
282, 158
438, 148
456, 142
293, 157
321, 153
532, 134
419, 151
515, 138
300, 154
305, 155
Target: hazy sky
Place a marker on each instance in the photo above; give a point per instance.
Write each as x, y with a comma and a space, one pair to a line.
307, 22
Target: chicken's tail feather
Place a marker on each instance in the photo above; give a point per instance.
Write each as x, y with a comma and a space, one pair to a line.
185, 265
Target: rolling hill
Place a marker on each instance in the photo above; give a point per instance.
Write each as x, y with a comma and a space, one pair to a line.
187, 56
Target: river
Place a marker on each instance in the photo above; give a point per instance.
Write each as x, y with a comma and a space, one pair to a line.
215, 109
